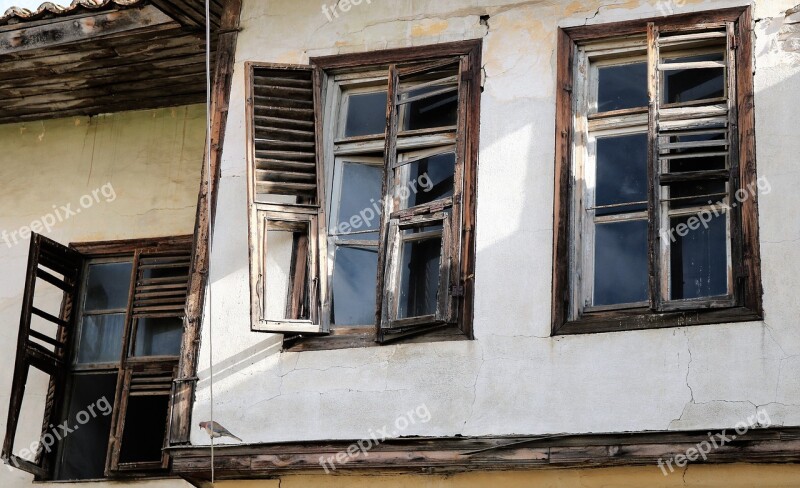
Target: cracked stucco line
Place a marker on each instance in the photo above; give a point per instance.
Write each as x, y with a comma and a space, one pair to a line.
688, 385
474, 391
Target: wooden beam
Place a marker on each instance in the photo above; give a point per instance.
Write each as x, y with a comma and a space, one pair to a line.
183, 394
458, 454
69, 31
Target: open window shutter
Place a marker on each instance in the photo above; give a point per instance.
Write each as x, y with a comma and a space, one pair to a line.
285, 191
159, 294
44, 340
422, 280
695, 143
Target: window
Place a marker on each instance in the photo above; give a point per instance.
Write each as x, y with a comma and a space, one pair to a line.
656, 192
111, 352
362, 190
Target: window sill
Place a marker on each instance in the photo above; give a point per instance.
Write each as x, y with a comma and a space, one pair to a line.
356, 337
640, 319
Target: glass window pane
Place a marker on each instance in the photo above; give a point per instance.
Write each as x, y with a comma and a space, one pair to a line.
698, 258
436, 111
145, 428
108, 286
158, 336
354, 285
359, 206
620, 263
621, 173
366, 114
688, 85
431, 178
622, 87
83, 455
101, 338
696, 193
419, 276
286, 271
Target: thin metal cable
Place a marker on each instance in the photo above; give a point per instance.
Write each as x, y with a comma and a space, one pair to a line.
210, 229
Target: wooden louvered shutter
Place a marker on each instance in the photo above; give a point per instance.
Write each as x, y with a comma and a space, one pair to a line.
284, 133
145, 383
44, 341
285, 191
695, 150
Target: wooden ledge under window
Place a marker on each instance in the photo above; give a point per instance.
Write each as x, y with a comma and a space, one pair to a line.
643, 318
354, 337
459, 454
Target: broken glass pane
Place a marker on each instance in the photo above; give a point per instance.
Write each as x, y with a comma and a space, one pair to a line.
108, 286
359, 206
698, 256
621, 173
101, 338
354, 286
688, 85
366, 114
621, 87
419, 279
286, 271
620, 263
145, 427
431, 178
83, 455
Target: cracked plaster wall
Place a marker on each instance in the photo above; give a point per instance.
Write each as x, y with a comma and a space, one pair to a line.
514, 378
152, 160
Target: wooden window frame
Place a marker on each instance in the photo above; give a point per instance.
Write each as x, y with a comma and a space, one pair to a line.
381, 65
747, 300
127, 369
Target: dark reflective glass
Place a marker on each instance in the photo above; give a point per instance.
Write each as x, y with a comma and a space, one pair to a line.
431, 178
145, 427
436, 111
622, 87
366, 114
158, 336
359, 200
101, 338
695, 193
697, 164
108, 286
354, 285
419, 281
621, 173
620, 263
698, 258
83, 455
688, 85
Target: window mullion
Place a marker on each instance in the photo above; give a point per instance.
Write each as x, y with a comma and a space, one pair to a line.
656, 250
390, 158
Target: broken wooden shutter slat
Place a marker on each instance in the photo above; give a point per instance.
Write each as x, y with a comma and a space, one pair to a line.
39, 349
287, 221
694, 143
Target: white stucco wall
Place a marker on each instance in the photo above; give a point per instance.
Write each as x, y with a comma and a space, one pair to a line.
151, 159
514, 378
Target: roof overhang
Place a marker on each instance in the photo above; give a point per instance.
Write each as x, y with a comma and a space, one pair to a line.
100, 56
